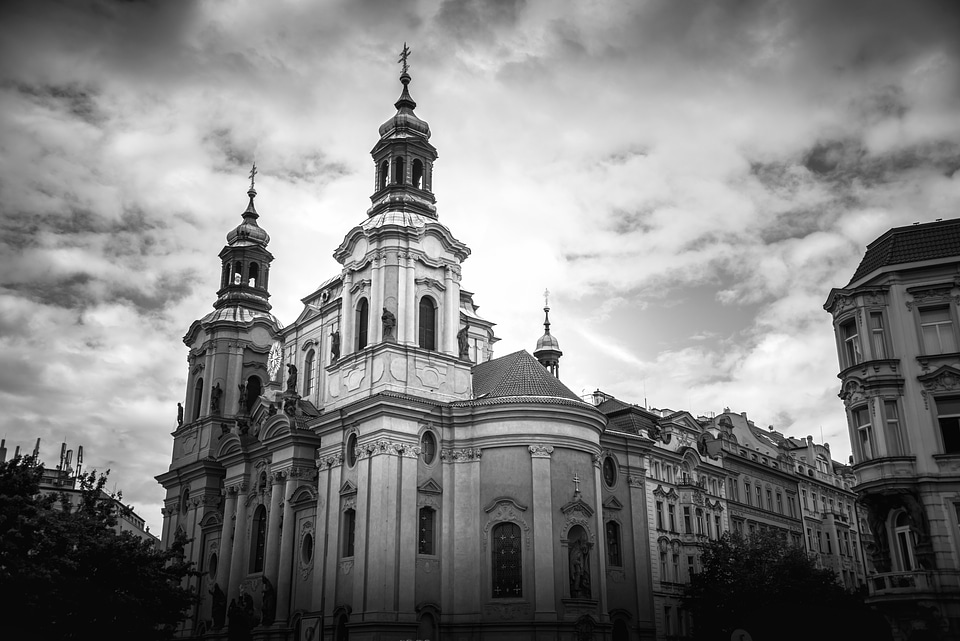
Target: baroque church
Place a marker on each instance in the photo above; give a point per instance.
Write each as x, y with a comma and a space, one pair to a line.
371, 471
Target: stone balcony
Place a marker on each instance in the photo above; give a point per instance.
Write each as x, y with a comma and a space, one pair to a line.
913, 585
875, 373
890, 470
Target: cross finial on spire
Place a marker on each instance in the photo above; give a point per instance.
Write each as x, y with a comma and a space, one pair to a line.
253, 173
403, 58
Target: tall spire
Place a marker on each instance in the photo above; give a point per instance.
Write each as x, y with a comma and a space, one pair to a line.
548, 348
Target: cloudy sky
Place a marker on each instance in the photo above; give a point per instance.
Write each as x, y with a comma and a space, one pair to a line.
689, 179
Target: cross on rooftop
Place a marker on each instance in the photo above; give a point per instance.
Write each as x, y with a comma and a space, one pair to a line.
253, 173
403, 57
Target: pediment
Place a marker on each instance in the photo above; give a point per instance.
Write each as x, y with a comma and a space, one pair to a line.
944, 378
309, 311
348, 487
612, 504
577, 505
229, 444
430, 487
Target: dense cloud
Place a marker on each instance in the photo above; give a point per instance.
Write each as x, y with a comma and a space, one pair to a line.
689, 180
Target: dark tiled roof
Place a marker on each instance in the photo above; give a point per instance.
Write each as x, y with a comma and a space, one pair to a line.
909, 244
611, 405
517, 374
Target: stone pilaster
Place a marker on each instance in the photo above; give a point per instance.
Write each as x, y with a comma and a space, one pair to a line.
272, 553
545, 607
226, 537
238, 553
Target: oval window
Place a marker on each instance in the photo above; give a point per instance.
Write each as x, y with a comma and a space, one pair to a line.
609, 471
351, 454
212, 566
428, 447
306, 548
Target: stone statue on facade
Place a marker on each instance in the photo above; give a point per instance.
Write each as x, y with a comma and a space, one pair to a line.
291, 378
389, 324
335, 346
463, 343
268, 606
579, 569
219, 606
242, 400
216, 393
179, 414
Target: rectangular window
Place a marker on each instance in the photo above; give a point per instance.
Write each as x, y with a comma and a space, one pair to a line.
779, 503
819, 541
878, 342
738, 526
851, 344
810, 539
853, 544
676, 568
759, 495
861, 420
668, 619
691, 567
663, 567
700, 522
669, 473
746, 492
507, 564
659, 515
613, 544
686, 521
752, 528
349, 531
936, 326
672, 512
806, 505
656, 470
770, 500
829, 544
948, 415
816, 504
427, 531
716, 520
894, 440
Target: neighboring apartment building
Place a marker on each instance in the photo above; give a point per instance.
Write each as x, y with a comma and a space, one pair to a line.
896, 325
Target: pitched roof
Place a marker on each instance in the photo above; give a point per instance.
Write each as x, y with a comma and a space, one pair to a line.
517, 374
901, 245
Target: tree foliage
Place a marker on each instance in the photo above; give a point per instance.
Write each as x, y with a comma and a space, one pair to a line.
68, 574
772, 590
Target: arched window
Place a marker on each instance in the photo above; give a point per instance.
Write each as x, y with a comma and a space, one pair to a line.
398, 169
237, 273
613, 544
225, 277
197, 398
507, 561
259, 539
428, 447
427, 628
904, 537
308, 373
363, 313
185, 500
254, 275
254, 389
417, 174
427, 531
428, 323
382, 178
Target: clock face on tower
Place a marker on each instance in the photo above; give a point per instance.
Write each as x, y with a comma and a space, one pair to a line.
274, 360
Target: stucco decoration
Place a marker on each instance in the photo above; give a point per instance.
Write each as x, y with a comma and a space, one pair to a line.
306, 561
346, 566
931, 295
541, 451
465, 455
852, 393
944, 379
328, 461
505, 509
577, 512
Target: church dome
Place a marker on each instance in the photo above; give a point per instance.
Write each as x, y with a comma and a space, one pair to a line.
548, 341
405, 121
249, 232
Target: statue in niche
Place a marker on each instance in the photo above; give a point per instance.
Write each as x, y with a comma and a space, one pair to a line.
291, 378
463, 343
272, 410
389, 323
268, 606
242, 400
579, 568
216, 393
179, 414
335, 346
219, 606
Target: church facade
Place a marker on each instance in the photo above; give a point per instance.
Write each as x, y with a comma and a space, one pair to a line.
371, 471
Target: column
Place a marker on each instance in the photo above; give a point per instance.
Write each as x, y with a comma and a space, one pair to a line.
545, 606
601, 576
323, 562
238, 553
376, 298
166, 538
451, 314
272, 553
226, 537
288, 537
411, 309
346, 314
402, 303
642, 573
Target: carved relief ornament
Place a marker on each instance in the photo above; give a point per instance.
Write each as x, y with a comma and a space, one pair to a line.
932, 295
465, 455
944, 379
505, 509
541, 451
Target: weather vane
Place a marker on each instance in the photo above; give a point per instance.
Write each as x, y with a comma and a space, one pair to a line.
253, 173
403, 57
546, 298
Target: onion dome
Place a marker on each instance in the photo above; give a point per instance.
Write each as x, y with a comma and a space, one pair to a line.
405, 121
249, 232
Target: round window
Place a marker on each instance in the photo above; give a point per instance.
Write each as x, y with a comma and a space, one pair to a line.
609, 471
306, 548
428, 447
351, 453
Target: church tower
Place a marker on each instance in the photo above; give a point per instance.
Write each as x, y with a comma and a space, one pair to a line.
548, 347
226, 375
